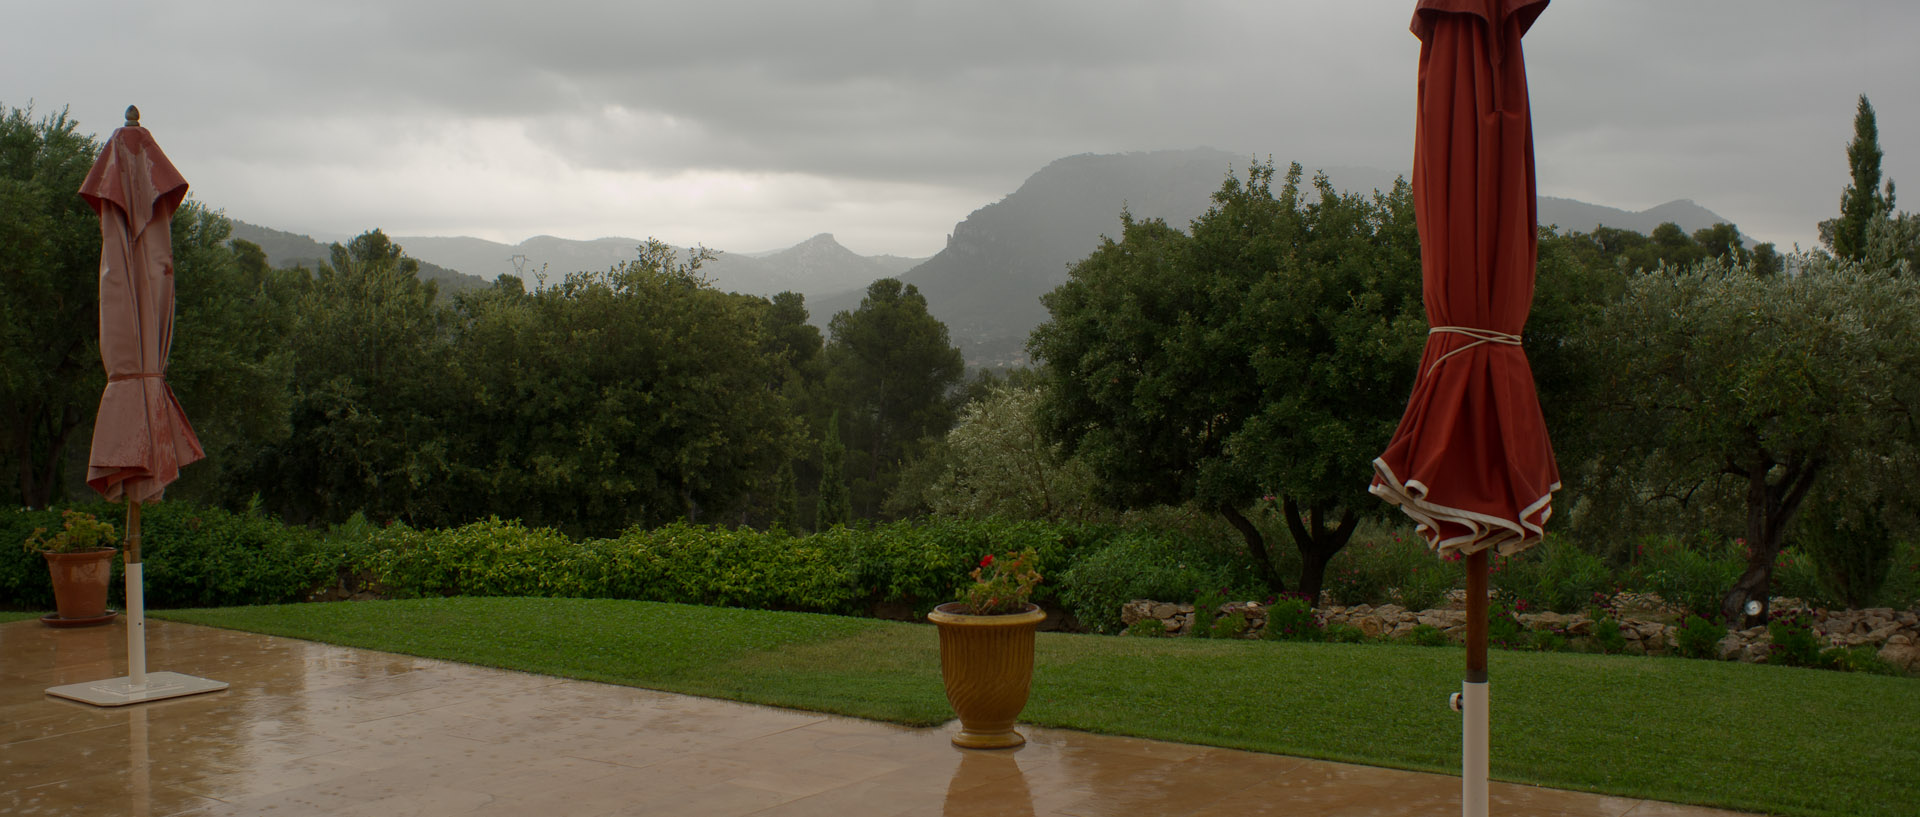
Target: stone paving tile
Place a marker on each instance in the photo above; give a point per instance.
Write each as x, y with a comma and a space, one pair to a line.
309, 729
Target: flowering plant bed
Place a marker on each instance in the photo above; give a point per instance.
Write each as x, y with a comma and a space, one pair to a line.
1838, 639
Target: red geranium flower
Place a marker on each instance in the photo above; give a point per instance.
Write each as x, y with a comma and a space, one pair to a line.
987, 560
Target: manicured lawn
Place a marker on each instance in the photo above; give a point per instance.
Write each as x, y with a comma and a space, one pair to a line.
1756, 738
12, 615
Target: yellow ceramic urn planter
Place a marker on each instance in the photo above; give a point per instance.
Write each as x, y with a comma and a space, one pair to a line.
987, 664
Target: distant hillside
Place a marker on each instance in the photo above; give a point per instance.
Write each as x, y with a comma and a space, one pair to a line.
1579, 216
813, 267
286, 249
986, 284
490, 259
283, 249
820, 265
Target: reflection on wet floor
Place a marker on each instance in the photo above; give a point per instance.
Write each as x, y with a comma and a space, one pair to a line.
309, 729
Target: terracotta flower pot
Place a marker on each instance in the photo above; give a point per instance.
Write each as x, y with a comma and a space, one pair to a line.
987, 663
80, 582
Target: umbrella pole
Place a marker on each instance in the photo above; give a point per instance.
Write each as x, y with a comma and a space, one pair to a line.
1473, 693
136, 603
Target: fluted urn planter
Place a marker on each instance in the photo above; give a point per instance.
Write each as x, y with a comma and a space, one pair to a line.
987, 663
80, 585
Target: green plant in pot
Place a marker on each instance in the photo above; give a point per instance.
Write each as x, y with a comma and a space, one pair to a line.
986, 650
80, 562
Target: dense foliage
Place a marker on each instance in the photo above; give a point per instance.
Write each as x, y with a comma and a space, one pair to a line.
50, 373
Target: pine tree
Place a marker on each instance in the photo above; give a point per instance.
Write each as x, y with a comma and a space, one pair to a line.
836, 506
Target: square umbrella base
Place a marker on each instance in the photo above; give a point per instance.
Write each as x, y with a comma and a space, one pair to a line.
121, 691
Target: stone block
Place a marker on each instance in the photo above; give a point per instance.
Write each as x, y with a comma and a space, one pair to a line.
1904, 656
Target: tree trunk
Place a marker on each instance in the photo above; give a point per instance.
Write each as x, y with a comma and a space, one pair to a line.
1317, 543
1257, 545
1313, 575
1771, 507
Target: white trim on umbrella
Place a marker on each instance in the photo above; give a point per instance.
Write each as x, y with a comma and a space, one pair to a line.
1504, 536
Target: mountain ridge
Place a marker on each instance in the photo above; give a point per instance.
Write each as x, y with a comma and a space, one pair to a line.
986, 282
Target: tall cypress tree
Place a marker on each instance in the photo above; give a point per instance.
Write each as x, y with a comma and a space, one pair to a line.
1862, 200
786, 498
836, 506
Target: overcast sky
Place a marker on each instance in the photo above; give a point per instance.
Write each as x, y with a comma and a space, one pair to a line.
750, 126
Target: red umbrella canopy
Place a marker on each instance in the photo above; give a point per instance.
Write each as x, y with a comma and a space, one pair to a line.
141, 436
1471, 462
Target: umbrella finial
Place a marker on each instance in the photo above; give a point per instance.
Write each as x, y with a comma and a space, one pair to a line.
133, 117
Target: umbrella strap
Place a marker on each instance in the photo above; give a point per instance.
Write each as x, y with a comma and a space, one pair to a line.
1480, 336
119, 377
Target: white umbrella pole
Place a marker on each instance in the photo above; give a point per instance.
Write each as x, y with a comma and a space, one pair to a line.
1473, 694
1473, 749
136, 603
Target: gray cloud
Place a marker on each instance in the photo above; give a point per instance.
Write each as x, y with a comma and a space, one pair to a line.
1744, 107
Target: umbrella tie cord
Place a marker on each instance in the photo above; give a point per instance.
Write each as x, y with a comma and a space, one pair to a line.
1480, 336
119, 377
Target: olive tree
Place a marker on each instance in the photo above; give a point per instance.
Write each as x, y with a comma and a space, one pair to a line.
999, 462
1771, 385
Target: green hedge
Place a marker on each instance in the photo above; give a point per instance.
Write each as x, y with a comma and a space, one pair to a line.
194, 556
207, 557
842, 570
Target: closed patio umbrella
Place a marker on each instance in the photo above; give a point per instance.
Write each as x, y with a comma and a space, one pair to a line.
141, 436
1471, 462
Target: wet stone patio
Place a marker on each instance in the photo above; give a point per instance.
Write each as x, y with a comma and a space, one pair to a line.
311, 729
